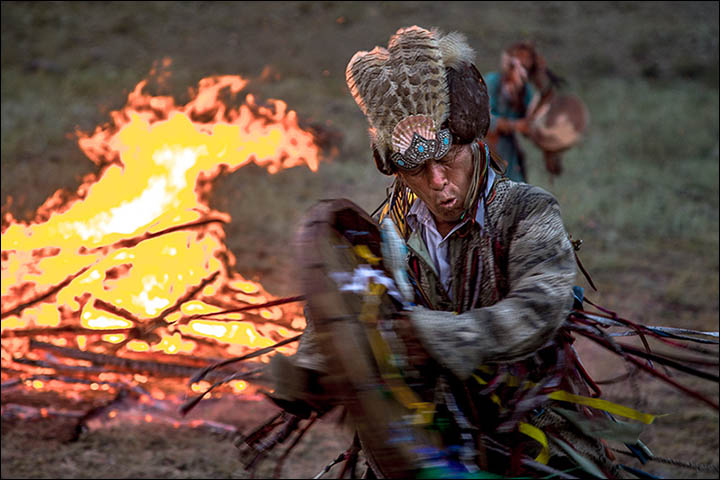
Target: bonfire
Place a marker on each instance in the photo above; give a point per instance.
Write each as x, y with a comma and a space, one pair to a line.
125, 289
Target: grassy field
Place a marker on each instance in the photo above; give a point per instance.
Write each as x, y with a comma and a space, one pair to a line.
641, 190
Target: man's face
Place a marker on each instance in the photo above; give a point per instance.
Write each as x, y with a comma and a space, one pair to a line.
443, 184
514, 72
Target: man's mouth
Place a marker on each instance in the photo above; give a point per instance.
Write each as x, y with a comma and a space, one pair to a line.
449, 203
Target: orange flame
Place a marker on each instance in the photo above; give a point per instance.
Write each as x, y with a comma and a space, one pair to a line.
139, 250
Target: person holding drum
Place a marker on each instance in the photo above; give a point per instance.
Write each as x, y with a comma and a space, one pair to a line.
490, 269
524, 99
511, 94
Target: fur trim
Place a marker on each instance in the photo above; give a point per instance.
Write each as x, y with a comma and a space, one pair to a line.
455, 50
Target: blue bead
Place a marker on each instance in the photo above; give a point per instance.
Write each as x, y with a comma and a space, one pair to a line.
446, 140
421, 148
401, 163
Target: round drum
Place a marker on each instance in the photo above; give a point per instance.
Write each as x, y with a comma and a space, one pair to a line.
349, 304
559, 123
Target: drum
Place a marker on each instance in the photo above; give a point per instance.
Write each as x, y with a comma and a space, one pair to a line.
559, 122
351, 302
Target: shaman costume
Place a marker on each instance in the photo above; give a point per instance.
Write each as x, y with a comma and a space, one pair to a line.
497, 388
508, 287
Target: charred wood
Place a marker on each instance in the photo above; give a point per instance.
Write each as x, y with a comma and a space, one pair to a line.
164, 369
57, 331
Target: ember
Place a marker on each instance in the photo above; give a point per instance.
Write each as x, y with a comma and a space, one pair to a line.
129, 285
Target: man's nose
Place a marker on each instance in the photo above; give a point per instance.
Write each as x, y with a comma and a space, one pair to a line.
437, 179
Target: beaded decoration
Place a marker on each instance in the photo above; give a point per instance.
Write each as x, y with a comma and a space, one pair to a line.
421, 149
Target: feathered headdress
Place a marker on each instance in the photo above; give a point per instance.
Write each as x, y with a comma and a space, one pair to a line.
419, 95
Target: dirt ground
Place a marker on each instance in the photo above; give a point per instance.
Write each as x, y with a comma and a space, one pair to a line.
641, 190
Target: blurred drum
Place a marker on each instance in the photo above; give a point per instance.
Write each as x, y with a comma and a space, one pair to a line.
559, 122
351, 304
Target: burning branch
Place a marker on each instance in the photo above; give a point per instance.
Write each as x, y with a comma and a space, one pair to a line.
59, 367
190, 404
190, 294
280, 301
120, 312
131, 242
67, 329
18, 310
202, 374
159, 321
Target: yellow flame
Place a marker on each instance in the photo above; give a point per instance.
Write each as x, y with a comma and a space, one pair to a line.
114, 338
239, 333
103, 321
239, 386
245, 286
199, 387
174, 344
137, 346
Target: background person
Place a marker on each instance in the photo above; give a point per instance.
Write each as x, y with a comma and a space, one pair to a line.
515, 92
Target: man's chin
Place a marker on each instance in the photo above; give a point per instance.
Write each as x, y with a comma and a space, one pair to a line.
449, 216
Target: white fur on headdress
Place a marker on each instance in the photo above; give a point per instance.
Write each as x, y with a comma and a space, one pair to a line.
455, 50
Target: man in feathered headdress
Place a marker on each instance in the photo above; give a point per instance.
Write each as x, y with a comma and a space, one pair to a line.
491, 264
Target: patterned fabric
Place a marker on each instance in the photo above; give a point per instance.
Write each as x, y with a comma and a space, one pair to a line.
513, 281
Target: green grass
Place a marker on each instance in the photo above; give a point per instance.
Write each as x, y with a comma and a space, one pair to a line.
648, 166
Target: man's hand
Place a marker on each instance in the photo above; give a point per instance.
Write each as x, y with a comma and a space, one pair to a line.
521, 125
506, 126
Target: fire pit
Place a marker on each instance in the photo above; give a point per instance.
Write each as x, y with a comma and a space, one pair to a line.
114, 298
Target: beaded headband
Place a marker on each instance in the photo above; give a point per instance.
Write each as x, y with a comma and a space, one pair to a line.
414, 142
